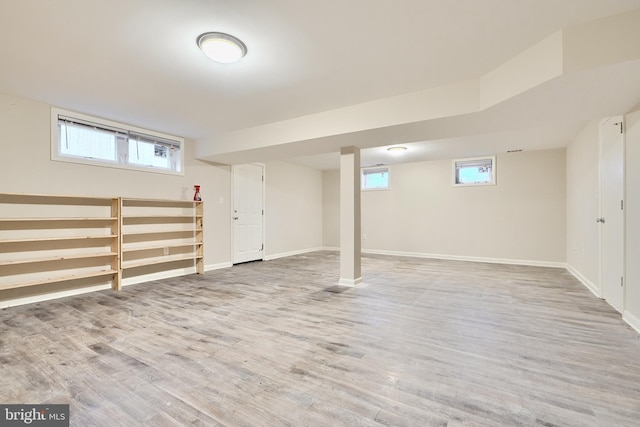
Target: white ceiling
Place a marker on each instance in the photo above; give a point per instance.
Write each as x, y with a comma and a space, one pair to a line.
138, 63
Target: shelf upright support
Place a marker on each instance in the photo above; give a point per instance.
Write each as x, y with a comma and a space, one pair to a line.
199, 234
116, 230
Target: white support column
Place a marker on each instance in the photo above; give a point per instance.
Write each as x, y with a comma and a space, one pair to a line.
350, 239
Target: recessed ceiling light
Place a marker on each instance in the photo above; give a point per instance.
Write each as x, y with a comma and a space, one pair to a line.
222, 47
397, 149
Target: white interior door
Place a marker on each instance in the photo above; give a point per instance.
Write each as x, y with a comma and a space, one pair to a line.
612, 211
248, 211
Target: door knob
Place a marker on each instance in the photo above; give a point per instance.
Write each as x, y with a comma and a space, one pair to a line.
600, 220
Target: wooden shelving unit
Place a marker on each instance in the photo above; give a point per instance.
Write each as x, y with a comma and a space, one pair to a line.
155, 232
199, 237
47, 239
50, 239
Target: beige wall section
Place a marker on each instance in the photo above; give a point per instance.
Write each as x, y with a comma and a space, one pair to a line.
293, 209
28, 168
331, 208
583, 201
520, 219
632, 215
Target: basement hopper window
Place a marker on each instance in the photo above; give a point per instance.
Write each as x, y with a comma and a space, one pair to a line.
376, 178
78, 138
475, 171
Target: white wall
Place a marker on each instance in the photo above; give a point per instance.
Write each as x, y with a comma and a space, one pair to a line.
583, 206
331, 208
293, 209
520, 220
632, 200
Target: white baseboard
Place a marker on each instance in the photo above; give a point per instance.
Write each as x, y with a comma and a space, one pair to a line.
533, 263
158, 276
586, 282
172, 273
632, 321
52, 295
218, 266
292, 253
352, 283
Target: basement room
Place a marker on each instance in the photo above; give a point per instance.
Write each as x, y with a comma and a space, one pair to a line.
372, 213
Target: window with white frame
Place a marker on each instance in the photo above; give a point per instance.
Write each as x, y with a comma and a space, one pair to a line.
80, 138
376, 178
475, 171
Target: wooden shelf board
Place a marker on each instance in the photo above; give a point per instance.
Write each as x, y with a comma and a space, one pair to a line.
58, 279
58, 196
148, 248
141, 233
58, 258
57, 219
154, 261
59, 239
138, 202
156, 216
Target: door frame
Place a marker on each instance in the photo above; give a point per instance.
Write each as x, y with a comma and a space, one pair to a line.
232, 204
601, 211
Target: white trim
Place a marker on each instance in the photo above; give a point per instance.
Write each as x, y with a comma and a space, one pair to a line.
533, 263
264, 207
494, 169
143, 278
586, 282
172, 273
368, 168
218, 266
631, 320
292, 253
264, 210
55, 144
52, 295
351, 283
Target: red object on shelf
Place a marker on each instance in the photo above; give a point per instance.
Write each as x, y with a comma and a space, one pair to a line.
197, 197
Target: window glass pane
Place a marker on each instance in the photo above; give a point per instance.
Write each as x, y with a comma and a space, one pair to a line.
176, 164
474, 175
375, 179
474, 171
87, 142
146, 153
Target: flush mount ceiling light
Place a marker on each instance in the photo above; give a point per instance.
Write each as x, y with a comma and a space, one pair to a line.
397, 149
222, 47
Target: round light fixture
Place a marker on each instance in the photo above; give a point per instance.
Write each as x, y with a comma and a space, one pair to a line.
222, 47
397, 149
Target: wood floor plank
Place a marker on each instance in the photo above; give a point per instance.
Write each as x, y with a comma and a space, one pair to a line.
424, 342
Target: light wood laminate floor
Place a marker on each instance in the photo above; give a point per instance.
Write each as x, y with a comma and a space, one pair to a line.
424, 343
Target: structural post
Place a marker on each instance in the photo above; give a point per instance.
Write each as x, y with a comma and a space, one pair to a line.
350, 240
